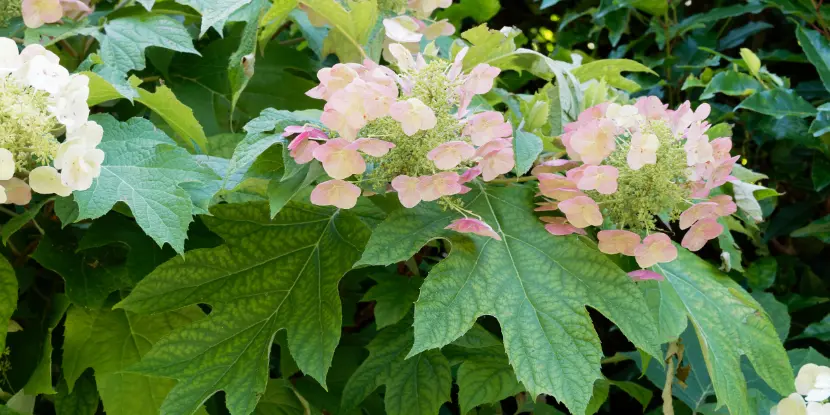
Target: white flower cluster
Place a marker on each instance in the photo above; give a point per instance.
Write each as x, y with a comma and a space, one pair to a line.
812, 387
38, 93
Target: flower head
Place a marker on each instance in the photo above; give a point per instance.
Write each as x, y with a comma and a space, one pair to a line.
631, 163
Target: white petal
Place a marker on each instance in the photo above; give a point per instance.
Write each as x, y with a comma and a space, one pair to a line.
6, 164
46, 180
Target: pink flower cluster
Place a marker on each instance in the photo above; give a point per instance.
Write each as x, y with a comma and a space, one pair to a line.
602, 130
356, 95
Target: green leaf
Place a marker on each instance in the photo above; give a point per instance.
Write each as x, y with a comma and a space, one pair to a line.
820, 173
800, 357
126, 39
177, 115
487, 45
600, 395
819, 228
778, 103
208, 93
728, 323
83, 400
701, 19
351, 26
731, 83
737, 36
479, 10
417, 385
214, 12
819, 330
275, 17
280, 399
242, 63
260, 281
109, 341
485, 376
777, 311
395, 294
528, 146
821, 125
635, 390
611, 70
40, 381
14, 224
761, 274
102, 90
87, 284
280, 193
8, 296
541, 280
817, 49
145, 169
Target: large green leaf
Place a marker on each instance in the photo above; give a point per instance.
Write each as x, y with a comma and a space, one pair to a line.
83, 400
728, 322
485, 375
611, 70
177, 115
8, 295
778, 103
535, 284
817, 49
279, 399
269, 275
417, 385
109, 341
40, 382
126, 39
351, 26
214, 12
731, 83
394, 295
147, 170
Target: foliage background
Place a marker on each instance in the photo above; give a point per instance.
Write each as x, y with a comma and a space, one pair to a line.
74, 259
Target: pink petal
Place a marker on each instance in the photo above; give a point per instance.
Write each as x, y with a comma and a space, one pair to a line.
486, 126
644, 274
481, 79
496, 163
302, 149
702, 232
470, 174
338, 160
656, 248
468, 225
618, 242
560, 227
581, 211
721, 148
549, 182
600, 178
407, 188
372, 146
37, 12
492, 147
335, 193
562, 194
450, 154
725, 204
595, 141
697, 212
437, 185
546, 206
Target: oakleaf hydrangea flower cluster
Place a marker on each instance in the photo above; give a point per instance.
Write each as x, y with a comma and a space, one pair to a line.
410, 132
39, 99
812, 387
630, 164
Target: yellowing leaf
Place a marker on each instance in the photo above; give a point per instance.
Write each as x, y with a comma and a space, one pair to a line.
179, 116
350, 27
